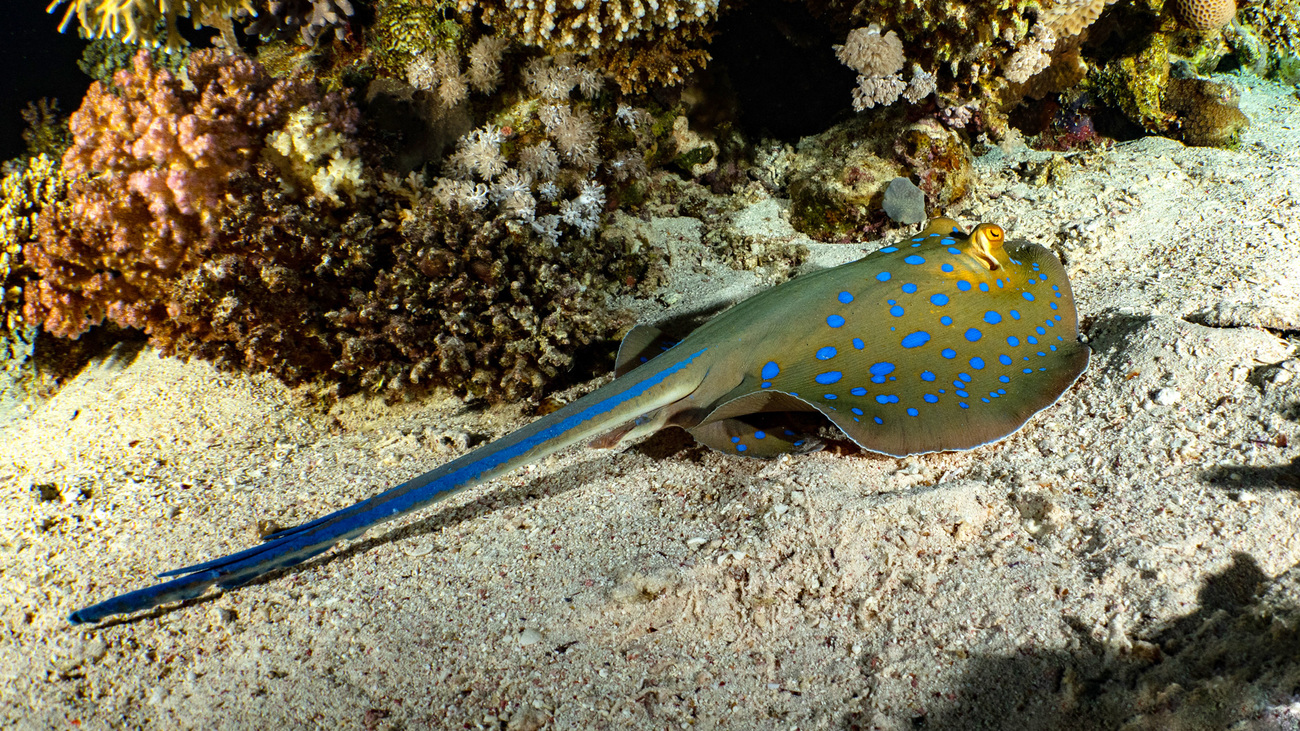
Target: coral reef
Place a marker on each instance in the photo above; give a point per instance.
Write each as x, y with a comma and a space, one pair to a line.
38, 187
1271, 29
151, 165
47, 130
138, 21
234, 219
641, 44
878, 58
421, 297
311, 18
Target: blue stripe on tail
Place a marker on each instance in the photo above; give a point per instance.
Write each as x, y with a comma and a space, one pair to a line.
295, 545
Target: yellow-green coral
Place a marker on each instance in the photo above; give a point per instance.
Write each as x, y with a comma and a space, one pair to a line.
1135, 83
24, 194
136, 21
404, 30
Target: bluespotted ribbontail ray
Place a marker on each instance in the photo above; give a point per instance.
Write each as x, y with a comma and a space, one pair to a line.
947, 341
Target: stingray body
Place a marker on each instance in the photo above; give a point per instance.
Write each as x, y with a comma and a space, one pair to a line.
946, 341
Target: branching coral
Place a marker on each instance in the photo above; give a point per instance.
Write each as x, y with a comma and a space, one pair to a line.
556, 146
136, 21
233, 220
152, 168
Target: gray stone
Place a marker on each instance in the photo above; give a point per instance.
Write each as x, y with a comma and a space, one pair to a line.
904, 202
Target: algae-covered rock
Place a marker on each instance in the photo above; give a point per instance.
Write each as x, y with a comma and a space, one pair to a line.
1207, 112
940, 159
838, 182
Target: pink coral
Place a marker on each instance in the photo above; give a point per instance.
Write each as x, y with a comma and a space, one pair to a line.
151, 163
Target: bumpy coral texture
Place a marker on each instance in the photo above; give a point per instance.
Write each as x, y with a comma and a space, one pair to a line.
878, 57
1205, 14
413, 295
642, 43
24, 194
151, 168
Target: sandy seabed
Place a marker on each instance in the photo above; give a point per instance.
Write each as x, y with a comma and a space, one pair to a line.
1127, 560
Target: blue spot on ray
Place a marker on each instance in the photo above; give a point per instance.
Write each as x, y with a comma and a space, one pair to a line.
912, 412
941, 299
835, 321
992, 317
858, 391
1004, 359
915, 259
945, 321
963, 285
909, 288
828, 377
930, 398
896, 311
973, 335
1027, 295
949, 353
770, 370
883, 277
857, 343
927, 376
977, 363
845, 297
826, 353
916, 339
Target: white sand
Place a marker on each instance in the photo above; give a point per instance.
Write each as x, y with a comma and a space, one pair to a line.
1126, 559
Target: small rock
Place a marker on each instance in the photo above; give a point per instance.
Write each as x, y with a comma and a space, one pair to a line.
1166, 397
904, 202
529, 636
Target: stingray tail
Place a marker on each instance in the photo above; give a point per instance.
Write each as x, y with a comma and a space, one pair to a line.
650, 387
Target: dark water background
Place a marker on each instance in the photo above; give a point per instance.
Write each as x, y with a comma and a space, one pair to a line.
35, 61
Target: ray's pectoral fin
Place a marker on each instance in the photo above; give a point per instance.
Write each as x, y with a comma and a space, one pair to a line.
763, 424
641, 344
761, 435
